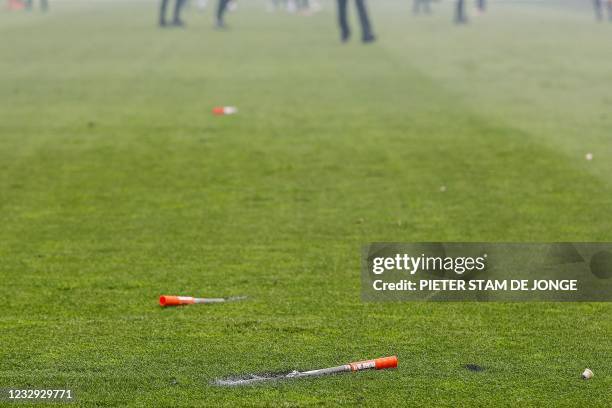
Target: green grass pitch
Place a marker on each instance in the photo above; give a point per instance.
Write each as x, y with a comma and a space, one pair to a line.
118, 185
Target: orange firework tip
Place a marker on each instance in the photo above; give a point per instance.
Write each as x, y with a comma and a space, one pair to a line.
167, 300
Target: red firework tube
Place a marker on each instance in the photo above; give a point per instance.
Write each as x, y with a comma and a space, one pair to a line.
224, 110
165, 300
377, 364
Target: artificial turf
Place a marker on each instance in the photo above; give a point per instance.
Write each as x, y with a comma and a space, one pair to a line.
118, 185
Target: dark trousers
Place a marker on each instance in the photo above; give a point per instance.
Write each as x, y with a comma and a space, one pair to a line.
44, 5
178, 5
460, 16
482, 5
366, 29
221, 9
421, 5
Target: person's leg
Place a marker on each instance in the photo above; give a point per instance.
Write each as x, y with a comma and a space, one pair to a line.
178, 6
460, 17
162, 12
345, 31
366, 28
597, 7
28, 4
221, 8
44, 5
609, 10
482, 5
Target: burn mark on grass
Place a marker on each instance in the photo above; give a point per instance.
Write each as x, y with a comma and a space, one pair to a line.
474, 368
247, 379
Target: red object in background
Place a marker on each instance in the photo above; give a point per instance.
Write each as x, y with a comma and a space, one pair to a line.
15, 5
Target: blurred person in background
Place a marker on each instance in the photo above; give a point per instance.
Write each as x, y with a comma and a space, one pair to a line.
303, 6
222, 7
599, 6
44, 5
176, 20
460, 16
421, 5
308, 7
292, 6
275, 5
366, 29
481, 6
201, 4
